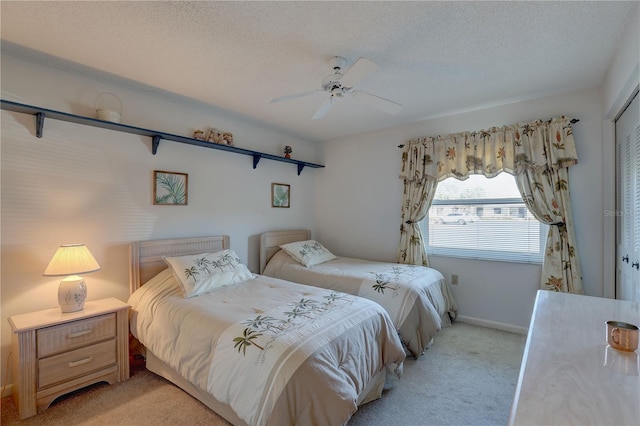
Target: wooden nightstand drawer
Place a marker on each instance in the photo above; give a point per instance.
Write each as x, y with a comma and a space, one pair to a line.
68, 365
61, 338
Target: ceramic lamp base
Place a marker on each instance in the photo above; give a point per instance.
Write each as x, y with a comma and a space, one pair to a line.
71, 294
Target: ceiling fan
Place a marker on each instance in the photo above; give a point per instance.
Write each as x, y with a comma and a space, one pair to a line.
341, 83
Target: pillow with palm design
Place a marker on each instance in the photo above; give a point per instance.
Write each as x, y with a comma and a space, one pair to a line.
308, 252
201, 273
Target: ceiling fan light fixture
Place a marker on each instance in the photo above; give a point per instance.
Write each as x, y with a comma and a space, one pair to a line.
339, 84
337, 93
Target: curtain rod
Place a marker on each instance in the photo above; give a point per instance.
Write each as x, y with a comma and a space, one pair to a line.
573, 121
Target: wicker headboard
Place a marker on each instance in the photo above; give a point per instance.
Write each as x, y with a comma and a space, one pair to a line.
146, 256
270, 241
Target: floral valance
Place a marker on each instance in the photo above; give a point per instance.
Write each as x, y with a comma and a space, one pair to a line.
538, 145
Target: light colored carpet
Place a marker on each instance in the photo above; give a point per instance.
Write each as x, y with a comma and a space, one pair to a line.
467, 377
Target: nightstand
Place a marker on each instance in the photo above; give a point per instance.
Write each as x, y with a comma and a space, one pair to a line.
56, 353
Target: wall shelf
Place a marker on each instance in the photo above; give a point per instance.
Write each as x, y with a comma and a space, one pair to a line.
156, 136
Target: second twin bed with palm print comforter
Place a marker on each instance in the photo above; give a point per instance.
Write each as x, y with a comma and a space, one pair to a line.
417, 298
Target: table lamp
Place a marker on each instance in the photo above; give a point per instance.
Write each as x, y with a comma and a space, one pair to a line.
70, 260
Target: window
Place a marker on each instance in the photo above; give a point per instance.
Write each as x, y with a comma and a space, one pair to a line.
482, 218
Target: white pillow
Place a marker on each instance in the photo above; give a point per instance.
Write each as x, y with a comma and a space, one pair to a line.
308, 252
201, 273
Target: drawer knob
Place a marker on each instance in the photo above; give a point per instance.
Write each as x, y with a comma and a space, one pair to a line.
80, 362
79, 333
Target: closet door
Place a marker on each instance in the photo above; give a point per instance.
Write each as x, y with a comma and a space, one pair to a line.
628, 203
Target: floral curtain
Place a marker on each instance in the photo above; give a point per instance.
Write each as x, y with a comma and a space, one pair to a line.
546, 194
416, 200
539, 149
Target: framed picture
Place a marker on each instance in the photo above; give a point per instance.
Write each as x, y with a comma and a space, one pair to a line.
280, 195
170, 188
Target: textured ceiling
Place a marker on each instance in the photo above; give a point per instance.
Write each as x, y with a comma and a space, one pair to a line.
435, 57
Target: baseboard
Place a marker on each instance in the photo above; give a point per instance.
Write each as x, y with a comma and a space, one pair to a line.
492, 324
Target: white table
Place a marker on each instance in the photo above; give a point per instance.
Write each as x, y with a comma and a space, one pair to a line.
569, 375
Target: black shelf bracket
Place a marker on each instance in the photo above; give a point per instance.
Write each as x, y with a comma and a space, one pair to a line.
256, 160
39, 124
155, 143
156, 136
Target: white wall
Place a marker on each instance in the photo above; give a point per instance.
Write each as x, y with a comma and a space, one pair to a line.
359, 197
90, 185
622, 79
624, 72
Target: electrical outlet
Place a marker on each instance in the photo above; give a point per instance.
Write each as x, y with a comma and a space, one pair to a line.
454, 279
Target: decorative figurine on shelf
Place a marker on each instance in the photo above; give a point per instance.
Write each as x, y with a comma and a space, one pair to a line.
227, 138
287, 151
198, 134
214, 136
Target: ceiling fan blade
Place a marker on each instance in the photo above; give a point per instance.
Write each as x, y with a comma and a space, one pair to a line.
323, 110
377, 102
359, 70
294, 96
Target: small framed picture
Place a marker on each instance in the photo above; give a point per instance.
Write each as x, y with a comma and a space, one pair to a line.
280, 195
170, 188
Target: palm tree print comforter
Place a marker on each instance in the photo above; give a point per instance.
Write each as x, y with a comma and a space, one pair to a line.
266, 347
417, 298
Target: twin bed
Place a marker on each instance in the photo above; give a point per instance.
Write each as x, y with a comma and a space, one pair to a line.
268, 351
258, 351
417, 298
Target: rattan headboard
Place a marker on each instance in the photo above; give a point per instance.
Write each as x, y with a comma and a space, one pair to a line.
146, 256
270, 242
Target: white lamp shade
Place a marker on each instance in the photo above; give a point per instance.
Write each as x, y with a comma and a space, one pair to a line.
70, 260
